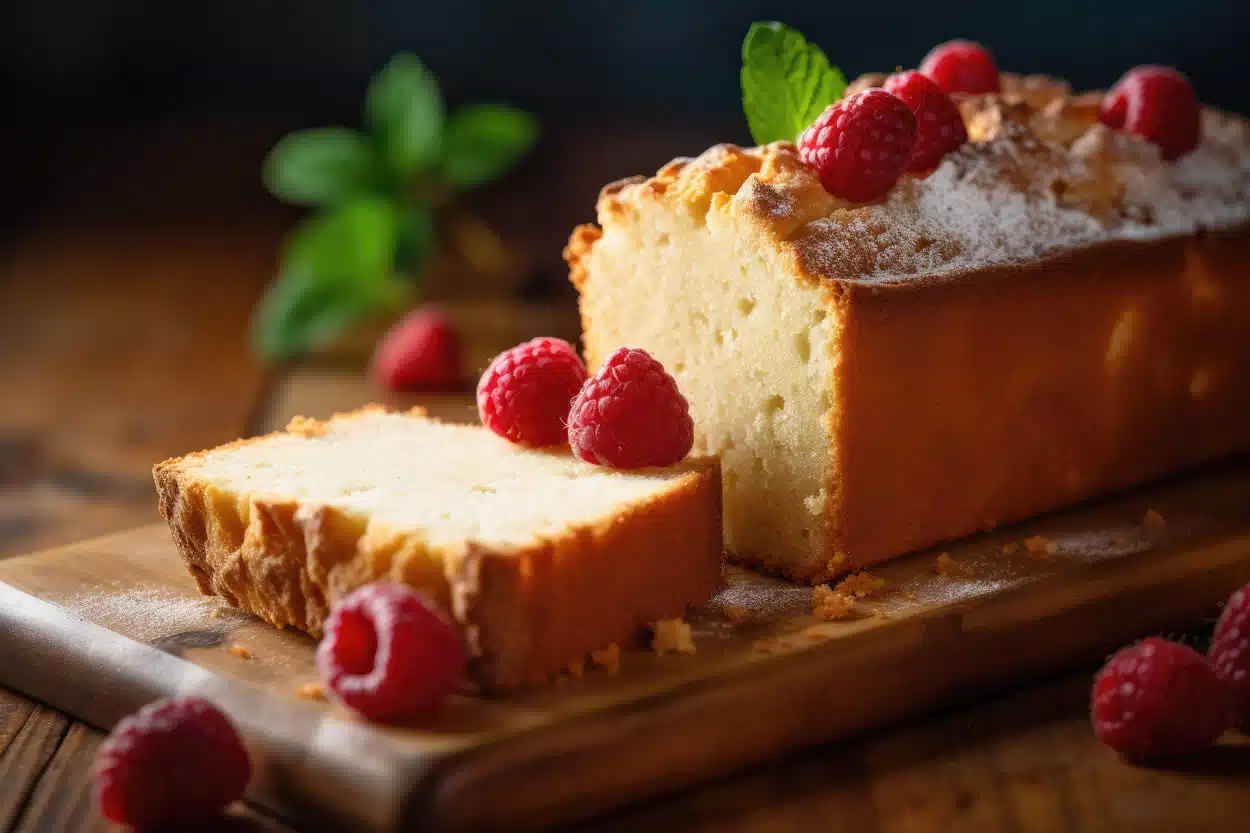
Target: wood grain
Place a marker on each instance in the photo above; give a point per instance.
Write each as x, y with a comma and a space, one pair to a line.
555, 754
127, 278
62, 799
25, 758
1023, 763
14, 712
79, 434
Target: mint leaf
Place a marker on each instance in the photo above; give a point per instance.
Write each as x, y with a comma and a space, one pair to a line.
353, 242
319, 166
404, 108
337, 268
484, 140
786, 82
415, 239
303, 310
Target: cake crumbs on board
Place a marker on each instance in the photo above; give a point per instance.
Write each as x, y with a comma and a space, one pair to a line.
1039, 546
609, 658
1011, 547
831, 605
311, 691
239, 651
947, 566
860, 585
832, 567
672, 636
1154, 521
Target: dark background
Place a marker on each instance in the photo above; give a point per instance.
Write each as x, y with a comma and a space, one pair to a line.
75, 58
147, 112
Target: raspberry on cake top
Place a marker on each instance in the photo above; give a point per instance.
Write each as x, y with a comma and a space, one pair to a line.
1040, 175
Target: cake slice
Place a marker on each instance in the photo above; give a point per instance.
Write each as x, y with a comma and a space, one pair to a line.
1052, 313
538, 557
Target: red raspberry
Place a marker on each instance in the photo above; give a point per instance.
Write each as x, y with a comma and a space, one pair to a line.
388, 654
1157, 104
630, 415
860, 145
421, 352
1158, 699
524, 395
1230, 654
173, 762
961, 66
939, 124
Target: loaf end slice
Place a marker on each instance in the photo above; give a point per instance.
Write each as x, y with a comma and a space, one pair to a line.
1053, 313
538, 557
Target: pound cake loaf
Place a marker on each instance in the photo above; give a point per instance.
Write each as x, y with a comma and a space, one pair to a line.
538, 557
1054, 312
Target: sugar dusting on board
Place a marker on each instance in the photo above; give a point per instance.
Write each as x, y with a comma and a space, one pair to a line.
148, 614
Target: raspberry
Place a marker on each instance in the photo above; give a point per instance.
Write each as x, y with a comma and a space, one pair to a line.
961, 66
1230, 654
388, 654
860, 145
173, 762
524, 395
1157, 104
1158, 699
939, 125
630, 415
421, 352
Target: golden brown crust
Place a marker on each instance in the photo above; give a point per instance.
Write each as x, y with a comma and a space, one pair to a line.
1044, 386
579, 246
1039, 177
526, 614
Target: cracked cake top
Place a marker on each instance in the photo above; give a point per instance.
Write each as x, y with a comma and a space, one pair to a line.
1039, 176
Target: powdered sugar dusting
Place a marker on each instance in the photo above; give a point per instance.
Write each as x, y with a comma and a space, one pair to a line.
766, 596
148, 614
1028, 189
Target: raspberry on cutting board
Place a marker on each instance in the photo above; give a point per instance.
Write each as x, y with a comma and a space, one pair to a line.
1158, 699
1230, 654
525, 394
420, 352
631, 415
860, 145
388, 654
173, 762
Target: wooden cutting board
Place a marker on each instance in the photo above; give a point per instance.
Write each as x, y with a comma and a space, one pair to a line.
99, 628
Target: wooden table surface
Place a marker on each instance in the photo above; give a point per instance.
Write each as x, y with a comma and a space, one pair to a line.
122, 343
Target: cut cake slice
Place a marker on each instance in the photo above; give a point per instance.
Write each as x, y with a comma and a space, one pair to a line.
538, 557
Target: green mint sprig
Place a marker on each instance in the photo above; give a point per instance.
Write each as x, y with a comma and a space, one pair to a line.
375, 195
786, 82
